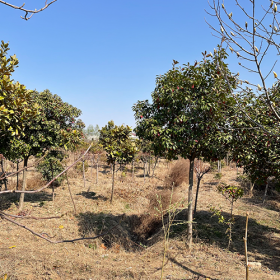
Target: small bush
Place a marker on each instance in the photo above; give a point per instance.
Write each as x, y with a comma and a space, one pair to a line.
218, 176
52, 165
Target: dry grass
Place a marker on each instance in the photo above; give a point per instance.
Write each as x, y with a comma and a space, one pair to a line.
120, 255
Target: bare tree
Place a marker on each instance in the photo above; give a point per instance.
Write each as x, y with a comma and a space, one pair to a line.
28, 13
251, 33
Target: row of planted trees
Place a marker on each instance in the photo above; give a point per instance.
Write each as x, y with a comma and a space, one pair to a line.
193, 114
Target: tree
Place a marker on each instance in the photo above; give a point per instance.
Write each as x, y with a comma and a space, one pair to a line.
118, 146
14, 98
189, 107
28, 13
55, 126
252, 148
52, 165
251, 33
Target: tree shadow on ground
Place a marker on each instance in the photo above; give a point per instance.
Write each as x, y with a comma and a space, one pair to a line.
263, 240
92, 195
8, 199
272, 202
121, 231
173, 260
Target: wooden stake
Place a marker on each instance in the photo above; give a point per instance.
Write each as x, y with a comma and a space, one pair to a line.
245, 246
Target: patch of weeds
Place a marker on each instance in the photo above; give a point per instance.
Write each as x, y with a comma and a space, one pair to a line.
93, 246
218, 176
127, 206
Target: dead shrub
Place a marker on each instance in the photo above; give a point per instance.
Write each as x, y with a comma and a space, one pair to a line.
178, 174
150, 222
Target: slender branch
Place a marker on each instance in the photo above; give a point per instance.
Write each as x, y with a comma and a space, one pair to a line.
58, 241
30, 217
32, 12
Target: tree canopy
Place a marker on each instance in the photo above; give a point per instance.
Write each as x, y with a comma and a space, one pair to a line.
189, 113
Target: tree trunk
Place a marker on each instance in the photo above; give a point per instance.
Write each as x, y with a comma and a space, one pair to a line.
52, 183
190, 213
149, 165
133, 169
156, 160
251, 188
113, 182
84, 174
144, 170
97, 169
17, 175
265, 192
3, 172
21, 199
197, 190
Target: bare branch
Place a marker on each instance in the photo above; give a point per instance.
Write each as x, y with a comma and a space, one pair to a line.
27, 12
58, 241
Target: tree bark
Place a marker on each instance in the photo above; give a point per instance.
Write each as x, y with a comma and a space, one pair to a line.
265, 192
251, 188
17, 175
190, 213
21, 199
113, 182
97, 161
84, 178
156, 160
52, 183
3, 172
197, 190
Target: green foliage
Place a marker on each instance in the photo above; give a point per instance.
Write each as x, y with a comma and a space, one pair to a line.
189, 104
52, 165
117, 144
14, 97
231, 193
254, 149
79, 166
55, 126
218, 176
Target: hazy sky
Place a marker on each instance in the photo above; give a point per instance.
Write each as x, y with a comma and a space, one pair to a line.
103, 56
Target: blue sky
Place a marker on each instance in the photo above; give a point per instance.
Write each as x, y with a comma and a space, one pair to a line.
103, 56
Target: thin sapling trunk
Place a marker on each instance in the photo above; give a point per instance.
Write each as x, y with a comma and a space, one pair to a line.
190, 213
113, 181
21, 199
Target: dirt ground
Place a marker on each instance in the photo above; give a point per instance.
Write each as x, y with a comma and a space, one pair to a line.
122, 254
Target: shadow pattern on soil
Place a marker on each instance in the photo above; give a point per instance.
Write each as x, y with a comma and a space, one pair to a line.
93, 196
8, 199
261, 244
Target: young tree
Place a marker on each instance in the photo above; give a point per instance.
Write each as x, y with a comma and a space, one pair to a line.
188, 111
55, 126
253, 148
118, 146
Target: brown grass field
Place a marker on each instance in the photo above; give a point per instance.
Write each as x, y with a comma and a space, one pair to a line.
134, 247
